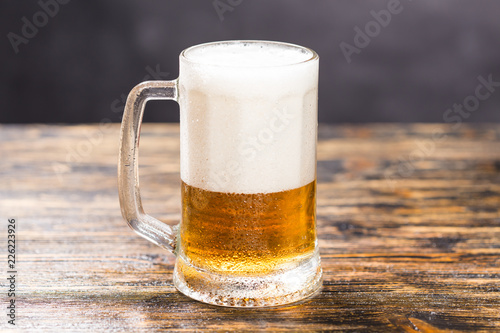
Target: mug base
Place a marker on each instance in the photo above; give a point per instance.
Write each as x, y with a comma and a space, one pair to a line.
281, 287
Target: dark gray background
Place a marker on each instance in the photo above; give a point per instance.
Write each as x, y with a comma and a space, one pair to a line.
80, 63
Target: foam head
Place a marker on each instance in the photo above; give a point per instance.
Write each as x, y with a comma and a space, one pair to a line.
248, 116
247, 54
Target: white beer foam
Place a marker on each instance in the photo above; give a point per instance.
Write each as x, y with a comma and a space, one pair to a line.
248, 117
247, 54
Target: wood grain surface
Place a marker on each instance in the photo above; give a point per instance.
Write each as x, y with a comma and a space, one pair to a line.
408, 224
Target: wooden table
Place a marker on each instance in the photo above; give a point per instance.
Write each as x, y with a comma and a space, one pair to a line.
406, 246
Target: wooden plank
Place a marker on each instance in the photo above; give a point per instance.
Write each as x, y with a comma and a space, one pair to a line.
408, 247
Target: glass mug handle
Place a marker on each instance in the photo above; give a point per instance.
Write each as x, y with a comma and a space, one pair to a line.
146, 226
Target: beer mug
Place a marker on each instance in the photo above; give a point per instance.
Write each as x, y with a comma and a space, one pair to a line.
248, 128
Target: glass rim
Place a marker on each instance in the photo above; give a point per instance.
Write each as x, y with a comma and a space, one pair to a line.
314, 55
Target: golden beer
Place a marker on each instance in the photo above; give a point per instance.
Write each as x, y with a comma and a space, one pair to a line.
248, 132
247, 234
